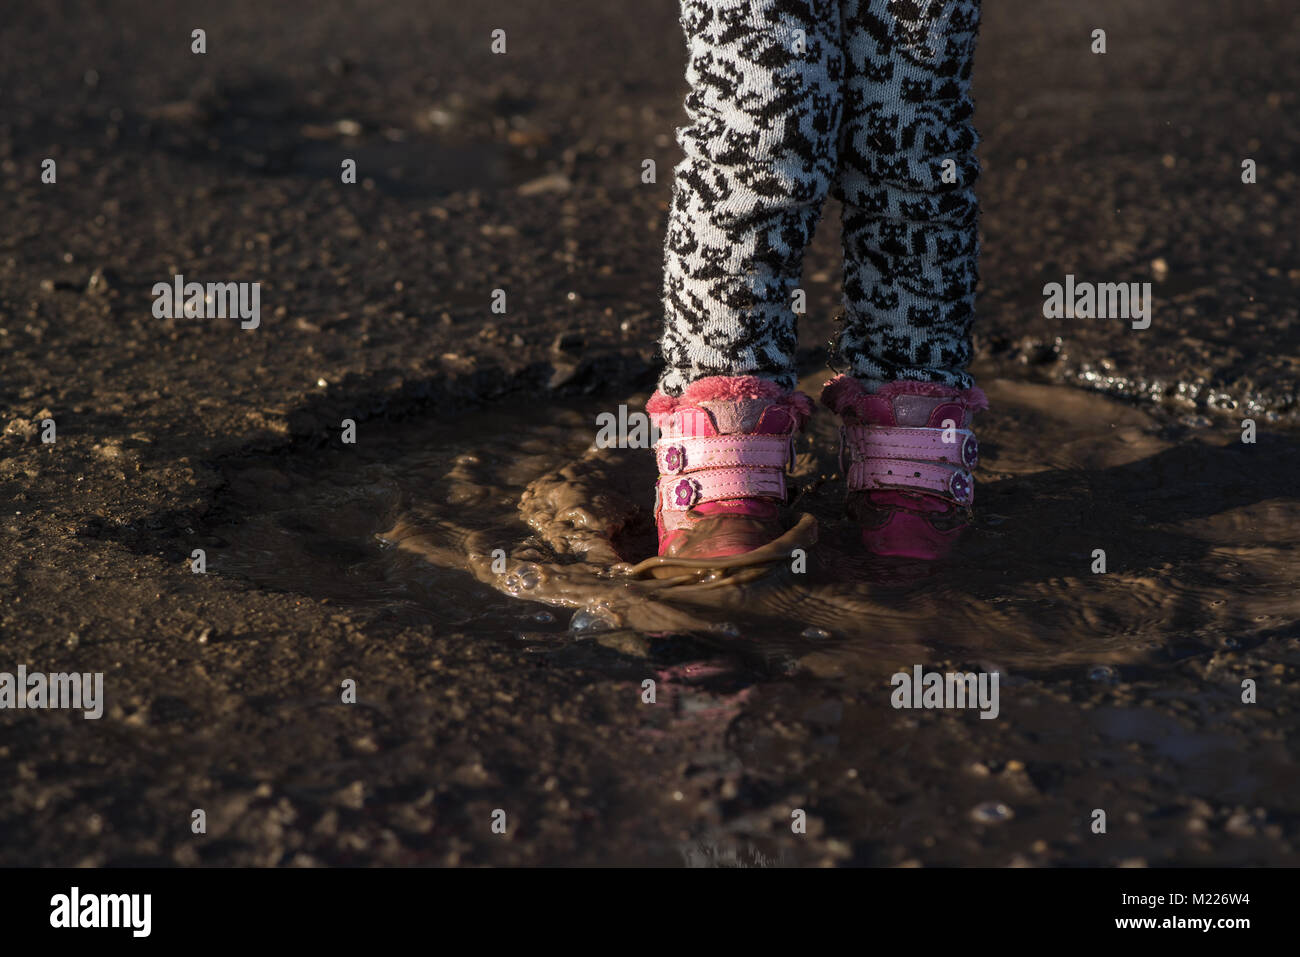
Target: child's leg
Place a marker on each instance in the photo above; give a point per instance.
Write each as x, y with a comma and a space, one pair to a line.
907, 170
764, 106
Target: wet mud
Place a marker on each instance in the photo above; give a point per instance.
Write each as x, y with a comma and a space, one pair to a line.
526, 502
1140, 662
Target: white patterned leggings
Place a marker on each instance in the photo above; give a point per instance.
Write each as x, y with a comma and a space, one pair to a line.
790, 100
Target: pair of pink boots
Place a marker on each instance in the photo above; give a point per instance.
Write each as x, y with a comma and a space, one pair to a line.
726, 443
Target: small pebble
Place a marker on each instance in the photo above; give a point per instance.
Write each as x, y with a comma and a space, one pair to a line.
992, 812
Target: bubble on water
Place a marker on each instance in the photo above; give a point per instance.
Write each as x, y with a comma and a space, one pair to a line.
815, 634
592, 619
992, 812
545, 617
524, 577
1103, 673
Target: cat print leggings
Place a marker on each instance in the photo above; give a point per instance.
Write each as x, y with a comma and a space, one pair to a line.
788, 101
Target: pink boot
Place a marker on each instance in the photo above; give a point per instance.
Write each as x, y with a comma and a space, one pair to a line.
723, 449
911, 453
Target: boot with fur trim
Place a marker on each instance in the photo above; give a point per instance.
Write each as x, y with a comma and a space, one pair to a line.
724, 447
907, 452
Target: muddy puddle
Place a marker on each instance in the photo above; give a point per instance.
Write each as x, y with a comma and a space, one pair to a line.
508, 524
1197, 530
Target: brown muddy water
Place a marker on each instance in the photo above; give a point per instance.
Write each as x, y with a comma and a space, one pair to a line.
1120, 690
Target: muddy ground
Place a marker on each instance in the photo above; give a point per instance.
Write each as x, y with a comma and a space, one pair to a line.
522, 172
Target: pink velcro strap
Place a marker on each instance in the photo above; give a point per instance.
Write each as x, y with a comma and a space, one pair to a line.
678, 493
682, 455
868, 442
955, 484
